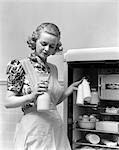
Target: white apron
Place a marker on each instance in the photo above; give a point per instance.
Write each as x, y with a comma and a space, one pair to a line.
42, 130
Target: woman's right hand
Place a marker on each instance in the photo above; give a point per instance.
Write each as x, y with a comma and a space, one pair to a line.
41, 87
13, 100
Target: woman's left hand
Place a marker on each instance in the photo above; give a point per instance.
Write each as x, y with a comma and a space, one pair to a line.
73, 87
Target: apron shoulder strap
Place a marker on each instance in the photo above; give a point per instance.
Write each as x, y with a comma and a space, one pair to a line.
29, 70
53, 70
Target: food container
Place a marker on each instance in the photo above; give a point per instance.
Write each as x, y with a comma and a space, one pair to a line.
86, 91
43, 102
85, 118
93, 138
94, 97
110, 126
86, 124
109, 143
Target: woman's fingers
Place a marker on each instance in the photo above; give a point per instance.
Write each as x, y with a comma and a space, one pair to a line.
79, 82
76, 84
43, 84
75, 88
39, 93
42, 87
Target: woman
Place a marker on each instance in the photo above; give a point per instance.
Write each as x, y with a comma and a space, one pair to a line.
38, 130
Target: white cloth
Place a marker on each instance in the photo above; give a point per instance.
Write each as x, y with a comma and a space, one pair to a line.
43, 130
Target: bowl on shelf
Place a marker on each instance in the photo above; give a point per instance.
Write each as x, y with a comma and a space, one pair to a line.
93, 138
86, 124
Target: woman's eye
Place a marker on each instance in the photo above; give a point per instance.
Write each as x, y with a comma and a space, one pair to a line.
52, 47
43, 43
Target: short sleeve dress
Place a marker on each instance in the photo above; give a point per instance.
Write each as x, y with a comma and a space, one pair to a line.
37, 130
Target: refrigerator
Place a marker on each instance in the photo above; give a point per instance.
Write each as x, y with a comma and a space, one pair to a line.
93, 124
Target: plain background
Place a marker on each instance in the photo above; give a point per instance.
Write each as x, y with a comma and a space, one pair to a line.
83, 24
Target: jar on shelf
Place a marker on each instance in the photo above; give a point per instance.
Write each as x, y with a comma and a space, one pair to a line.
94, 96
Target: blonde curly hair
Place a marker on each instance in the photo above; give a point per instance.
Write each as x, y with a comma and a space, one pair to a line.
49, 28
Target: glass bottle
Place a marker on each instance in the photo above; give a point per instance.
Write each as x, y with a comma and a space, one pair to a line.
94, 96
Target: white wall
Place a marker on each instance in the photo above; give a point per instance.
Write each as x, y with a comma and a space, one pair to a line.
83, 23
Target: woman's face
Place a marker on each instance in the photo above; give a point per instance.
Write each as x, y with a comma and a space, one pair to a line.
46, 45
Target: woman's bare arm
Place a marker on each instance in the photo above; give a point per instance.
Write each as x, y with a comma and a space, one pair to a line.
12, 100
